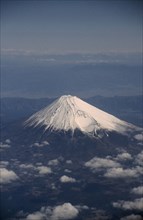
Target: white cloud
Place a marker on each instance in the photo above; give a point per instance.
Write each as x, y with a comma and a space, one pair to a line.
53, 186
45, 142
8, 141
139, 158
36, 216
97, 163
44, 170
41, 169
54, 162
137, 204
82, 207
39, 164
113, 168
68, 161
7, 176
42, 144
67, 171
124, 156
65, 211
119, 172
132, 217
66, 179
61, 158
37, 145
4, 145
26, 166
139, 137
61, 212
4, 164
139, 169
138, 190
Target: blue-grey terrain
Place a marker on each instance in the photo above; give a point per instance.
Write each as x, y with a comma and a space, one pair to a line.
59, 175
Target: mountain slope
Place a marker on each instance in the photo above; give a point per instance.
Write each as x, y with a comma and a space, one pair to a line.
71, 113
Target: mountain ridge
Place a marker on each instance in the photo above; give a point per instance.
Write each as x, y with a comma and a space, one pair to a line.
70, 113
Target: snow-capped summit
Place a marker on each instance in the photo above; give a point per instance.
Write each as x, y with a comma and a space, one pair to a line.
70, 113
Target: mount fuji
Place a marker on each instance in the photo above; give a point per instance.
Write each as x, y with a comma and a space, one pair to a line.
71, 155
70, 113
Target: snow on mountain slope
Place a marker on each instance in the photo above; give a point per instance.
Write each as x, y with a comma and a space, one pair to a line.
70, 113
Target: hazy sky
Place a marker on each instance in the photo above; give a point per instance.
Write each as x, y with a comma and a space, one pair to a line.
71, 25
80, 47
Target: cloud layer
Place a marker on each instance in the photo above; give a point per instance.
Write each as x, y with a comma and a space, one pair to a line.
139, 158
137, 204
120, 172
116, 167
44, 170
7, 176
65, 211
97, 163
60, 212
66, 179
138, 190
132, 217
124, 156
